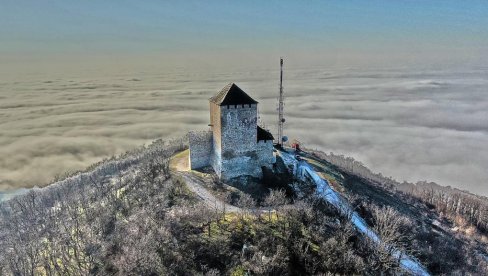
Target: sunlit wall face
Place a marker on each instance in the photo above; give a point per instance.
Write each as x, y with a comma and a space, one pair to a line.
400, 86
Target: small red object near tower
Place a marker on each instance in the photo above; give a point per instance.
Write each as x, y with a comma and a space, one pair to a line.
295, 144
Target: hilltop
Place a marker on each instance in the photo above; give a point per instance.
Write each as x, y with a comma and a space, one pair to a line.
145, 213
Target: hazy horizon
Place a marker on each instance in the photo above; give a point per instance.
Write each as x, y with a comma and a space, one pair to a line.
400, 86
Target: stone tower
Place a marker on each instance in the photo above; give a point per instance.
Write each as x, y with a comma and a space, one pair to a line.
236, 145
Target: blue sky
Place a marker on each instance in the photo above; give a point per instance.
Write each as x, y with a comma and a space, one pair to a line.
380, 29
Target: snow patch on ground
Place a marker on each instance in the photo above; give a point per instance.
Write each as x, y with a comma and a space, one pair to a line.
331, 196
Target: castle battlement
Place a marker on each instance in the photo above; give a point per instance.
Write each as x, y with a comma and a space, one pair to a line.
241, 106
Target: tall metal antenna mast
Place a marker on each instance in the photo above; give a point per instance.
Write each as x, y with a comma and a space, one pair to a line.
281, 119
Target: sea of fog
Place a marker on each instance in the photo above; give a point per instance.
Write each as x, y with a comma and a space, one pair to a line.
410, 124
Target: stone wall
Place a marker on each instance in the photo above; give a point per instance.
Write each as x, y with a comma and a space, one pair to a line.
201, 148
215, 123
249, 162
264, 151
239, 136
239, 127
231, 146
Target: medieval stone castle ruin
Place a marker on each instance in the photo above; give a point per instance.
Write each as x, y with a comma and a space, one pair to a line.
235, 145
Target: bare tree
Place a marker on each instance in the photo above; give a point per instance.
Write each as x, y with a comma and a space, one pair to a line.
391, 226
274, 199
393, 229
246, 202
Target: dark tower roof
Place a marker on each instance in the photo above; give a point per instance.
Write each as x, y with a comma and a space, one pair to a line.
265, 135
231, 94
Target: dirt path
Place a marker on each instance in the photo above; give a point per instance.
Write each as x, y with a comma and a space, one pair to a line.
180, 161
196, 185
180, 164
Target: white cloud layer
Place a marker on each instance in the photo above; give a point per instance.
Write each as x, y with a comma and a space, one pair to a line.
410, 124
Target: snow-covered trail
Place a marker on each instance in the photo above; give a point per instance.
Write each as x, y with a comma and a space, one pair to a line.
326, 192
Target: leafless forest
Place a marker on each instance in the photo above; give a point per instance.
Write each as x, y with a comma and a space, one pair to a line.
130, 215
